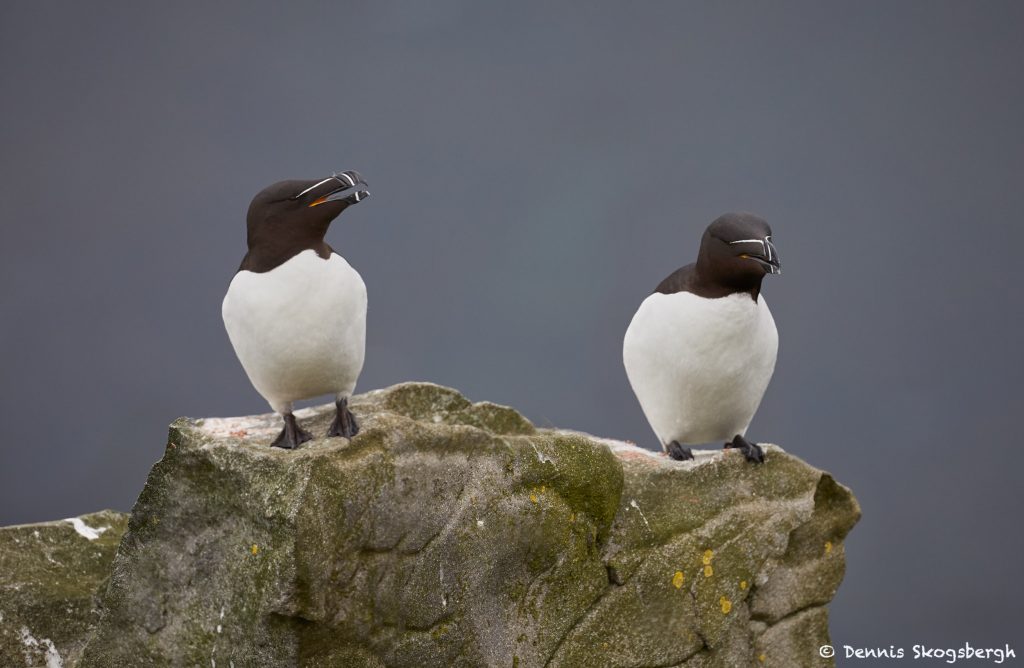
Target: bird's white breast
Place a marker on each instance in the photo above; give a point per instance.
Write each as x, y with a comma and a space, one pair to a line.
699, 366
299, 329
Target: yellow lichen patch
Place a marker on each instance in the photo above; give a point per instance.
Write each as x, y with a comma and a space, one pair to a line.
708, 554
743, 584
255, 549
726, 605
828, 547
677, 579
533, 497
708, 571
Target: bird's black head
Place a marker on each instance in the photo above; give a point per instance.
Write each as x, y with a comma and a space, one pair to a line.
306, 206
737, 251
291, 216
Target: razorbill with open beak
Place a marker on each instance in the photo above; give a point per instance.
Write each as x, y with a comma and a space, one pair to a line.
296, 310
700, 351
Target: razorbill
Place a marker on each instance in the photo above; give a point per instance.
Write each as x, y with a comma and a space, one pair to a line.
700, 351
296, 310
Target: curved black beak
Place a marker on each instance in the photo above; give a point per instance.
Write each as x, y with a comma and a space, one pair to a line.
770, 266
763, 252
350, 188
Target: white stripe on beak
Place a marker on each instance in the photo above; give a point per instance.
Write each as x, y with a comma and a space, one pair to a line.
315, 185
753, 241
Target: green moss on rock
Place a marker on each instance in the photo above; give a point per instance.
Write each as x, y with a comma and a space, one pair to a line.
429, 402
49, 575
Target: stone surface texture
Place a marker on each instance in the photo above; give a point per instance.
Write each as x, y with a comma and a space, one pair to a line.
446, 533
49, 576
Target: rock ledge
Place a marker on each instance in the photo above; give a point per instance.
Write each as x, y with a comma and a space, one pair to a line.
451, 533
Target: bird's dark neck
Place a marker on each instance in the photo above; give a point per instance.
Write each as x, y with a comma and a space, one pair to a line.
274, 242
722, 284
267, 254
697, 279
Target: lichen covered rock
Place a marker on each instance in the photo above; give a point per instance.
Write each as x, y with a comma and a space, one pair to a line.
449, 533
49, 575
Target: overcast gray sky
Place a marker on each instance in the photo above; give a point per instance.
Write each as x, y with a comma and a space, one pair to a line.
537, 169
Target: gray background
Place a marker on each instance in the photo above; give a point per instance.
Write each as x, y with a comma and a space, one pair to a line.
537, 169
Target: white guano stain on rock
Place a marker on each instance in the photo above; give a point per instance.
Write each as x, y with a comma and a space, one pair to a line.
84, 529
544, 459
630, 451
636, 506
53, 659
249, 426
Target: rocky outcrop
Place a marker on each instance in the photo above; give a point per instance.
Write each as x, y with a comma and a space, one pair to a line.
49, 575
456, 534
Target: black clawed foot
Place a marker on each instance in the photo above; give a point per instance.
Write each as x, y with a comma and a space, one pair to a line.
292, 435
752, 451
678, 452
344, 422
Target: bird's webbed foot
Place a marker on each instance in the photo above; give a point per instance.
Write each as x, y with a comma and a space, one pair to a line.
679, 452
345, 423
752, 451
292, 435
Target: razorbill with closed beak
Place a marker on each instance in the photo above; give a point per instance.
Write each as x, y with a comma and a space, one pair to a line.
296, 310
700, 351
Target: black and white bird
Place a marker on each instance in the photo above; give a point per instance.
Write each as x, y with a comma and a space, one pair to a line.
701, 350
296, 310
